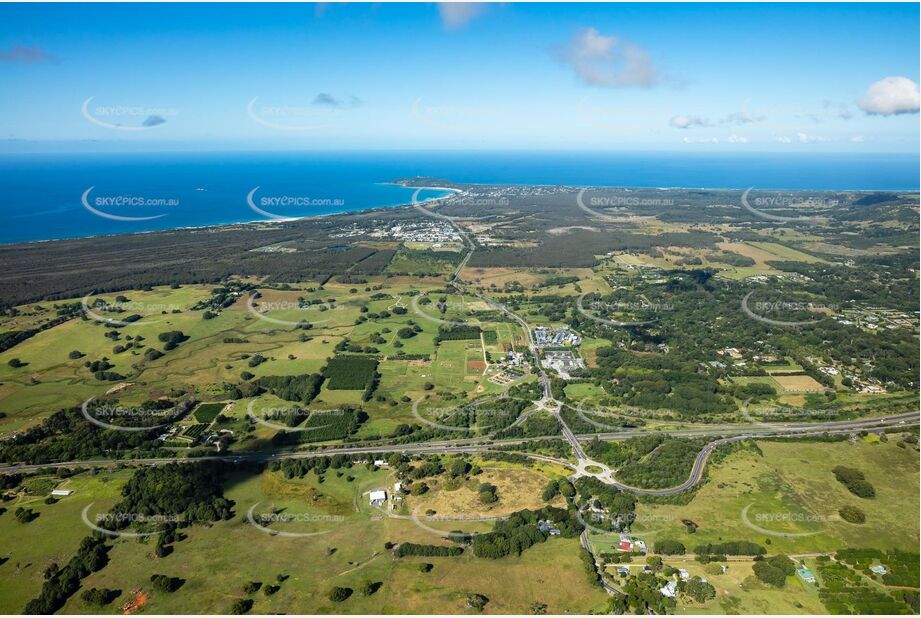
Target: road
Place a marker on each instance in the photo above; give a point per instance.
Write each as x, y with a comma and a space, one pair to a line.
724, 434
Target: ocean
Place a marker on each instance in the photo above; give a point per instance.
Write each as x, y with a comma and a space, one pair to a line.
52, 196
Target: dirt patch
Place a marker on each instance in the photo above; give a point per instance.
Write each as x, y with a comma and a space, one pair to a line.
560, 231
798, 384
138, 599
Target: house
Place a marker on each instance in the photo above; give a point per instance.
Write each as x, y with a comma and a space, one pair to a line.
624, 571
397, 487
805, 574
879, 569
684, 575
625, 546
378, 497
639, 546
61, 492
380, 463
670, 589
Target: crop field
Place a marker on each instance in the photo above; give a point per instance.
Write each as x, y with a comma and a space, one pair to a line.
349, 372
207, 412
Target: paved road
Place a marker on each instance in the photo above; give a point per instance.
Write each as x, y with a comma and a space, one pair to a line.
583, 538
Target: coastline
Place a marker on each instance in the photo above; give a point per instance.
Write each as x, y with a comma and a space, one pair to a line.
454, 191
186, 228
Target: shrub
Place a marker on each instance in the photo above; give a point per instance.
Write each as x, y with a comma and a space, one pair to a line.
339, 594
852, 514
669, 547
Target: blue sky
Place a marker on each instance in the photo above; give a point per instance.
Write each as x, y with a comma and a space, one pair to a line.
722, 77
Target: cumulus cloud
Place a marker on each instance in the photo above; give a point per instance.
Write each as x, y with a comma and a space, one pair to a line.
737, 139
783, 139
856, 139
684, 122
609, 61
705, 140
24, 55
890, 96
455, 15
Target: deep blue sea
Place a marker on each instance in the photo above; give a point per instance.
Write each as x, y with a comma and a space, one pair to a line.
55, 195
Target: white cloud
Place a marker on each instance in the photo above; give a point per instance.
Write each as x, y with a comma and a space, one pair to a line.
683, 122
455, 15
741, 118
841, 110
704, 140
809, 139
783, 139
856, 139
889, 96
609, 61
737, 139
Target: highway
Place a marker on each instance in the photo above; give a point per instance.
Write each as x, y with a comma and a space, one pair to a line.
722, 434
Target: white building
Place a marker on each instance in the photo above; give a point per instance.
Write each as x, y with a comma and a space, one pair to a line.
378, 497
61, 492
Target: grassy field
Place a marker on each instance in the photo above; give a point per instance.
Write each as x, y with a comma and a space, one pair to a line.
53, 537
791, 493
518, 488
217, 561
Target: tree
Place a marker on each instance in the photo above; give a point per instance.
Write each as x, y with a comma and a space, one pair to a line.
699, 590
339, 594
669, 547
852, 514
165, 583
241, 606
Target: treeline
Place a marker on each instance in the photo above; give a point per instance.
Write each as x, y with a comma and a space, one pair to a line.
731, 548
415, 549
457, 332
67, 435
